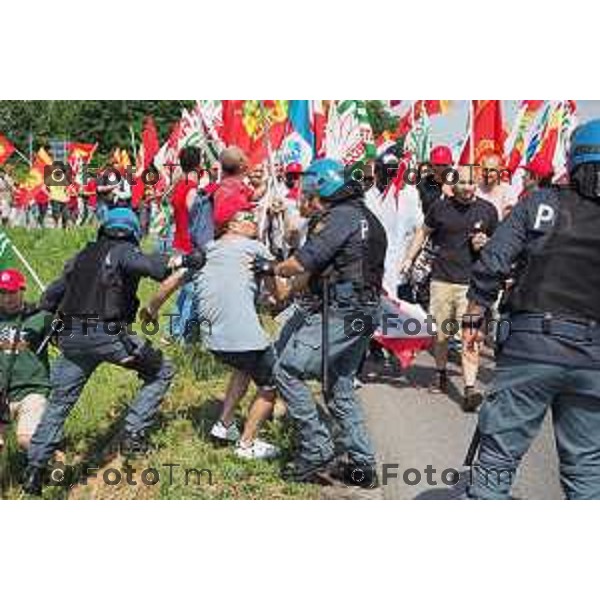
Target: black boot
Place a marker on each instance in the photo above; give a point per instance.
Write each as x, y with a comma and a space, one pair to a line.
134, 445
355, 475
303, 472
472, 399
33, 480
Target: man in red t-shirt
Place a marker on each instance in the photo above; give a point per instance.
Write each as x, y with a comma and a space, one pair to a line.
183, 197
42, 199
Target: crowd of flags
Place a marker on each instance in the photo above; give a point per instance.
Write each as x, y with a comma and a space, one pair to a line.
300, 130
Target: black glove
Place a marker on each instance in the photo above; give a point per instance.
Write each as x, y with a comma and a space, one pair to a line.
263, 266
194, 261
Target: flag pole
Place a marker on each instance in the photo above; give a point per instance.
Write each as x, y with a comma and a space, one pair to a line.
29, 268
472, 132
22, 156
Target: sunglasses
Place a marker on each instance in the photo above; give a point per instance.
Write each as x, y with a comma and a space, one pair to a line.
247, 217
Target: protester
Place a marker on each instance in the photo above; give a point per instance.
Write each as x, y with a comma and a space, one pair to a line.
459, 227
90, 200
42, 200
492, 188
225, 294
73, 203
431, 187
6, 196
182, 199
58, 204
23, 359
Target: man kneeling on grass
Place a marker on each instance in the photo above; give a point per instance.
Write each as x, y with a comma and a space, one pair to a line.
24, 366
226, 291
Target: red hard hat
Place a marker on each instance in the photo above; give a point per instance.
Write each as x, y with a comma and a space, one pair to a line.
12, 280
441, 155
294, 167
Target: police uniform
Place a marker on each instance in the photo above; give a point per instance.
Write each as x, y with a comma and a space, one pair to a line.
548, 354
348, 245
96, 298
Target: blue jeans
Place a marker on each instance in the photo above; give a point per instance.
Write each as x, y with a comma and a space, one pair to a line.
512, 414
82, 354
187, 313
300, 359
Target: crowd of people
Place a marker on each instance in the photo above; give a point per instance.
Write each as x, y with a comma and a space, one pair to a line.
304, 244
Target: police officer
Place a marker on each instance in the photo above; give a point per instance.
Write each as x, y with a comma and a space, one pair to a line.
549, 349
346, 244
96, 299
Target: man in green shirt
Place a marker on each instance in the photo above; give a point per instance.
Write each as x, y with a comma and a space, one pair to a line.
24, 375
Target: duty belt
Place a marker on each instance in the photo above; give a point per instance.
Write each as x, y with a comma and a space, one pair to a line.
548, 324
351, 293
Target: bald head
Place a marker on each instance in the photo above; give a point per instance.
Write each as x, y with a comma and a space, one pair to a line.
491, 169
233, 161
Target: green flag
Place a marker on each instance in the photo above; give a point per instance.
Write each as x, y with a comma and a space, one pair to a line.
6, 254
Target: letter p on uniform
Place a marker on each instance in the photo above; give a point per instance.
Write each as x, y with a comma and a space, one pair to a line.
545, 215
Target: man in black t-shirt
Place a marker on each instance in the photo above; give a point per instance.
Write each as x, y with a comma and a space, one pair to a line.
458, 226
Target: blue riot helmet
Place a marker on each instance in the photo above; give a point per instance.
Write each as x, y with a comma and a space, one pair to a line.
585, 145
325, 178
122, 221
584, 159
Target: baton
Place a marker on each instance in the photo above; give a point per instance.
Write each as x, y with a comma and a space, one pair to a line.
473, 446
325, 340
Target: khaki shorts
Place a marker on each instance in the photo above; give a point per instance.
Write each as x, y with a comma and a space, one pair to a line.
448, 303
27, 413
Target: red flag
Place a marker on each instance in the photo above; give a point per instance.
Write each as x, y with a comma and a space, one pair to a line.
6, 149
430, 107
35, 178
254, 124
150, 144
488, 130
79, 155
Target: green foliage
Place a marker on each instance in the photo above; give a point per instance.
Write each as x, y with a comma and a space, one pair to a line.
107, 122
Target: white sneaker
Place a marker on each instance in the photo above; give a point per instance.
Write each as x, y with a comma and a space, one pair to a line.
225, 434
258, 449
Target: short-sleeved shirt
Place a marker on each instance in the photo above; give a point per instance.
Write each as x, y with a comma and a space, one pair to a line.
58, 193
181, 215
453, 224
226, 292
90, 192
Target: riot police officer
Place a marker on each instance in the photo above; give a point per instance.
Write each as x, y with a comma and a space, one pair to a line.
96, 300
345, 250
549, 348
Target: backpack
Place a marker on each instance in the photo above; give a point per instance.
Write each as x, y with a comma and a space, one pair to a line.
202, 229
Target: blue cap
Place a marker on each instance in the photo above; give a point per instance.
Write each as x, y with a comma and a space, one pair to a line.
585, 145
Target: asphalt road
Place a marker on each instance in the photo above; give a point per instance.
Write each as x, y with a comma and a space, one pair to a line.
413, 428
